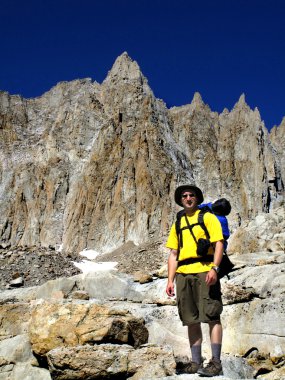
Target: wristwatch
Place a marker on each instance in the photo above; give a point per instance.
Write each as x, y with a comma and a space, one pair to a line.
216, 269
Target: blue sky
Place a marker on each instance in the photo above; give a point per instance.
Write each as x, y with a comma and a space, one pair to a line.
220, 48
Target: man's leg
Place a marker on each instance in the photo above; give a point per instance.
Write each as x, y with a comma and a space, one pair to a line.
195, 340
214, 367
216, 336
187, 306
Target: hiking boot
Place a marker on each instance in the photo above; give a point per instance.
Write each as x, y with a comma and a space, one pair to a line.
191, 367
213, 368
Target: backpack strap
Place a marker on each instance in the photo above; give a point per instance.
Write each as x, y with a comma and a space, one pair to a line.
189, 227
179, 231
191, 260
201, 221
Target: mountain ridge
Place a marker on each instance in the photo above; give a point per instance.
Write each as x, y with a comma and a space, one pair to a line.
90, 165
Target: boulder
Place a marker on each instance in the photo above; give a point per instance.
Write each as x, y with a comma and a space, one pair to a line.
142, 277
70, 324
163, 324
80, 295
14, 319
259, 323
17, 350
264, 233
163, 271
255, 315
17, 282
23, 371
277, 374
263, 275
109, 285
235, 367
51, 288
107, 361
85, 362
18, 295
235, 294
151, 362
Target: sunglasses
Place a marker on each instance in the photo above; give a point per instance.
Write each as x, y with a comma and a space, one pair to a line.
191, 195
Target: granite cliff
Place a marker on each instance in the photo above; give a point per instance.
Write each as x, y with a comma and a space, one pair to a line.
90, 165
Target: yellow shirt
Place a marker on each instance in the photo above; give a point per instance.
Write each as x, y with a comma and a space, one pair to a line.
189, 248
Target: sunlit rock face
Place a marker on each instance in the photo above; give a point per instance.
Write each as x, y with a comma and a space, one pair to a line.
278, 142
90, 165
230, 154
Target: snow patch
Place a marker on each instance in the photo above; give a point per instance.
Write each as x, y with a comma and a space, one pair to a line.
89, 253
87, 266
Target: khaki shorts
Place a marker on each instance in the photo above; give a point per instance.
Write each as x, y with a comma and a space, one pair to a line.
196, 301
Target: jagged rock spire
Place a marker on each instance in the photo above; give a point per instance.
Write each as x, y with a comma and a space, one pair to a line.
197, 100
126, 69
241, 104
242, 99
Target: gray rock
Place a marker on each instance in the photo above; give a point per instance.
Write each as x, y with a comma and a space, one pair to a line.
80, 295
258, 318
264, 233
24, 371
17, 350
51, 288
14, 319
17, 282
18, 295
237, 368
105, 284
106, 360
264, 279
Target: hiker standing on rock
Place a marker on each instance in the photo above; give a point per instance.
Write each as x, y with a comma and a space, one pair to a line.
197, 283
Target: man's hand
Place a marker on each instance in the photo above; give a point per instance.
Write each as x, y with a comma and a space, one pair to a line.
211, 277
170, 289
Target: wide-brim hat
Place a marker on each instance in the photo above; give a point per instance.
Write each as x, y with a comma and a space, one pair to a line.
181, 189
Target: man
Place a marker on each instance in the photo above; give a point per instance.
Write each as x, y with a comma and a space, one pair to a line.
197, 283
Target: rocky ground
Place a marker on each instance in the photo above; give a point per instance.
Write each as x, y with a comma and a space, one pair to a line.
26, 267
147, 257
258, 275
34, 266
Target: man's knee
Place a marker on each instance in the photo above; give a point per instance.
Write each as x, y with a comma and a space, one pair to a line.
214, 323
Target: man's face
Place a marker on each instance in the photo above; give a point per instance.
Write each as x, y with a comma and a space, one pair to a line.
189, 200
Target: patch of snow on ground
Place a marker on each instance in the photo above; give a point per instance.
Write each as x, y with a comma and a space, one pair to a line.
89, 253
87, 266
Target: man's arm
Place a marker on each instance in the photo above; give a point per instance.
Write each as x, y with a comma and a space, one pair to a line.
212, 276
172, 266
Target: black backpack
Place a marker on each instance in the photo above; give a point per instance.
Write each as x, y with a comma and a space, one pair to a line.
203, 245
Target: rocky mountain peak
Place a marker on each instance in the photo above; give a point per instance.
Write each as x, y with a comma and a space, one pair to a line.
197, 100
277, 129
125, 69
123, 90
242, 111
241, 104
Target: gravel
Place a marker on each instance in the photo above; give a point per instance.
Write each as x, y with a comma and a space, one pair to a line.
36, 265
